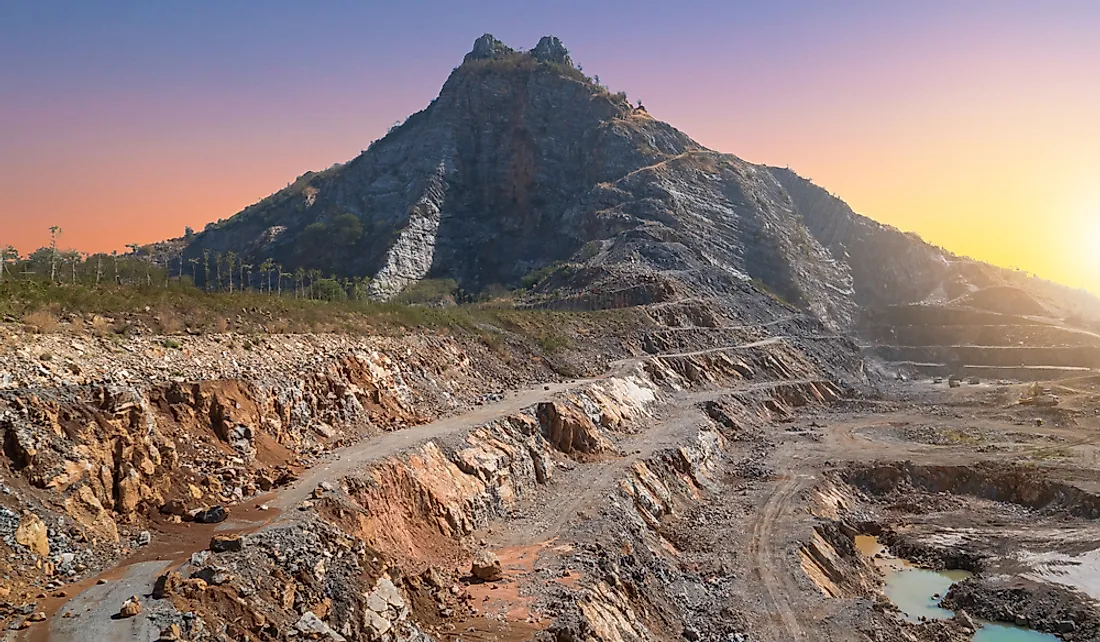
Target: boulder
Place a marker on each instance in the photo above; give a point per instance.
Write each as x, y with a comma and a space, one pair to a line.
313, 627
486, 567
31, 532
226, 543
130, 607
214, 515
569, 430
213, 575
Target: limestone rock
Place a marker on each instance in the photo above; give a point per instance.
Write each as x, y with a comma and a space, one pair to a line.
486, 566
486, 48
569, 430
130, 608
311, 625
550, 49
32, 533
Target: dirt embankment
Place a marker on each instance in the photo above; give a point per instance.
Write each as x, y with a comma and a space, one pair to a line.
101, 463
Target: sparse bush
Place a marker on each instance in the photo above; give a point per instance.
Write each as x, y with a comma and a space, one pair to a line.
171, 344
41, 322
534, 277
169, 323
100, 326
427, 291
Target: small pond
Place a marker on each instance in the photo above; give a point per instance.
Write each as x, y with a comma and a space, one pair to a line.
914, 591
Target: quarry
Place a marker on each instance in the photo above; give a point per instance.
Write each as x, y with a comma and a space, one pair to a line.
665, 394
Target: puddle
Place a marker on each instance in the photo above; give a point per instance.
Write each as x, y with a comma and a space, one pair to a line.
912, 589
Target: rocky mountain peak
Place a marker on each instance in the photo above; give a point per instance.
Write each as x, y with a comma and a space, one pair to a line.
488, 48
551, 49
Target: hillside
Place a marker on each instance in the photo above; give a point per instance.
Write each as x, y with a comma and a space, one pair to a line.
523, 167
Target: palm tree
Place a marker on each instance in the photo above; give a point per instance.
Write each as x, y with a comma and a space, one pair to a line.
194, 270
230, 261
133, 247
299, 278
55, 233
114, 255
218, 267
206, 270
265, 272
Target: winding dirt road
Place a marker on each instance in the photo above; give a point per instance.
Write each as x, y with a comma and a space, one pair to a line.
97, 604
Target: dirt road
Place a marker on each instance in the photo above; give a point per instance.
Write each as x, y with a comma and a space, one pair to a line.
772, 564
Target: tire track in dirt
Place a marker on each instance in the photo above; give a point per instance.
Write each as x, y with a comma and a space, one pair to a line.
770, 564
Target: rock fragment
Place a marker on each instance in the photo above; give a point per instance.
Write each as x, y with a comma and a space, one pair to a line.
486, 567
130, 608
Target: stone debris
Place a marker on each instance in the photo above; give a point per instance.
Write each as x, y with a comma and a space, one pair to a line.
130, 608
226, 543
313, 626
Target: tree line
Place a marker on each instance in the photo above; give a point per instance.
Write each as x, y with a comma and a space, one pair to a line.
165, 265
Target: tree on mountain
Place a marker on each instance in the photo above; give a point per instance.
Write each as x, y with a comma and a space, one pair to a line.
314, 276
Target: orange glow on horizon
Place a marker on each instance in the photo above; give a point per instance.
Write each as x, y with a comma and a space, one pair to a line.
974, 125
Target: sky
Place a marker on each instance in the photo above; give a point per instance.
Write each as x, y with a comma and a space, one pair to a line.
975, 123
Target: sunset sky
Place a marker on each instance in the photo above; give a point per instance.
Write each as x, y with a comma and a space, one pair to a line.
973, 123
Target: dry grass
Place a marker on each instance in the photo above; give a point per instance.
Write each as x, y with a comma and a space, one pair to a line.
101, 327
41, 322
170, 323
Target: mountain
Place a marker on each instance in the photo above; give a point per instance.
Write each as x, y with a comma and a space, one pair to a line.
525, 170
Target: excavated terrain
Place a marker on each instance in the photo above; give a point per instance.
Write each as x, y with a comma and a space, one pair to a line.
723, 463
707, 482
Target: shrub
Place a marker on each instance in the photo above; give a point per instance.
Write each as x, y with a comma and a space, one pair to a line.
428, 291
41, 322
100, 326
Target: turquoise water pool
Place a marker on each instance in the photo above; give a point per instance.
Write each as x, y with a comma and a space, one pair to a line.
913, 591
